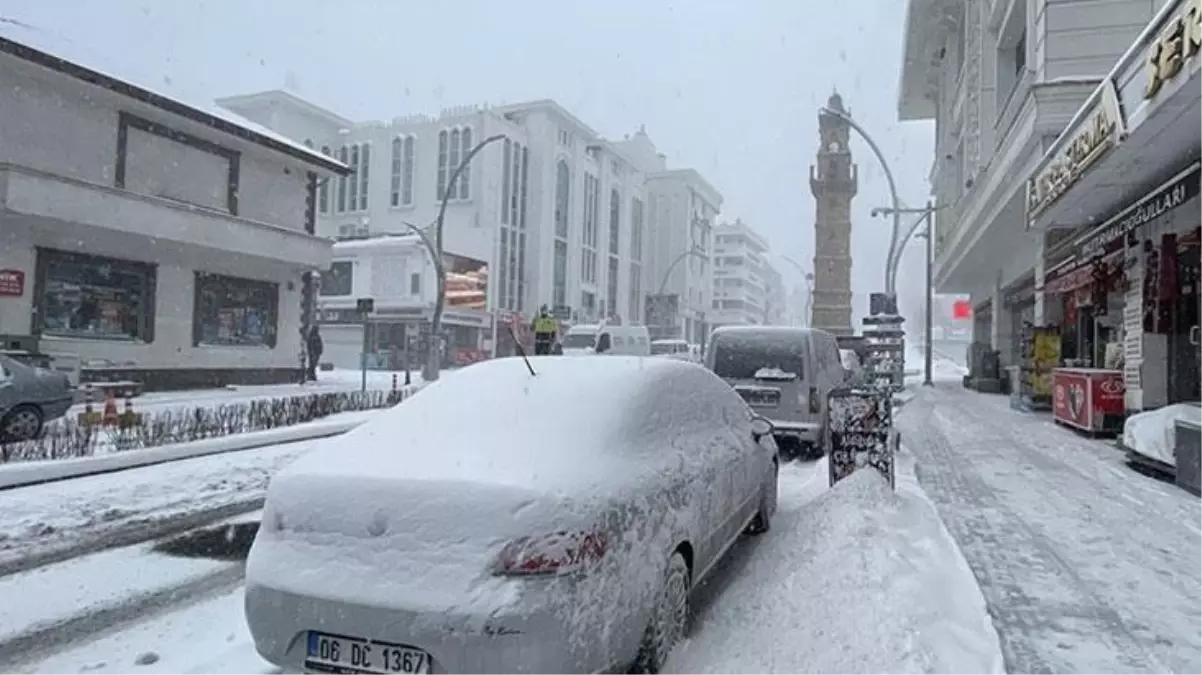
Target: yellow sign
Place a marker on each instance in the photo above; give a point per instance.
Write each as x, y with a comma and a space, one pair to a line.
1101, 130
1178, 42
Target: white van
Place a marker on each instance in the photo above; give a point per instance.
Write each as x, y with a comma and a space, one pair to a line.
607, 339
673, 349
784, 374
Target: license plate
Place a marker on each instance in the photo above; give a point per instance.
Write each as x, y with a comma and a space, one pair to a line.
761, 398
341, 654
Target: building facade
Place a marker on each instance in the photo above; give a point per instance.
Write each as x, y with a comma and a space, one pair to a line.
561, 216
156, 240
1118, 190
833, 180
747, 289
1001, 79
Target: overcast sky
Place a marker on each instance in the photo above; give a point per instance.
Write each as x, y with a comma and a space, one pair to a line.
728, 87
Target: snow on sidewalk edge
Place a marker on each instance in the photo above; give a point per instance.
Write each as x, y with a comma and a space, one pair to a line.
44, 471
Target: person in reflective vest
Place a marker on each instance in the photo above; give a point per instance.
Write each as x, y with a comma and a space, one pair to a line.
545, 328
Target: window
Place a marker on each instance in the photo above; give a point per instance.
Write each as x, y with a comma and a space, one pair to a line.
506, 178
591, 206
615, 221
402, 172
1020, 54
560, 283
415, 283
352, 190
512, 263
612, 285
636, 229
90, 296
364, 166
323, 191
563, 190
342, 181
339, 279
234, 312
453, 147
634, 312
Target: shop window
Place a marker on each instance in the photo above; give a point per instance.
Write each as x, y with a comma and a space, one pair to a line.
89, 296
338, 279
234, 312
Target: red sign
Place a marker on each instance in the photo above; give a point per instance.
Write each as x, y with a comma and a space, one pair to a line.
1107, 396
12, 283
962, 309
1069, 403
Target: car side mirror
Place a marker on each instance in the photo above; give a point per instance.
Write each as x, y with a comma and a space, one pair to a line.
760, 427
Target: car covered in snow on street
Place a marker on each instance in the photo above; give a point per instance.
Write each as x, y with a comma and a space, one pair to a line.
544, 516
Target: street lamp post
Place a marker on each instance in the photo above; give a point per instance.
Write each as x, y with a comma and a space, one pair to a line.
439, 273
809, 279
663, 285
889, 288
434, 356
925, 214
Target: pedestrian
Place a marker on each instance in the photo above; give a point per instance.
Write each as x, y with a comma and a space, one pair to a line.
314, 346
545, 328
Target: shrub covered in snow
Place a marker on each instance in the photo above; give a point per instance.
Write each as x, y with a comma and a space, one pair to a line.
70, 439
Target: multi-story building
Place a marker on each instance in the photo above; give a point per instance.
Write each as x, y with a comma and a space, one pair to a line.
776, 304
747, 289
1002, 79
558, 213
682, 208
161, 241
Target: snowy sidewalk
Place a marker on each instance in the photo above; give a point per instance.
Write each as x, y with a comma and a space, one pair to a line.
1087, 566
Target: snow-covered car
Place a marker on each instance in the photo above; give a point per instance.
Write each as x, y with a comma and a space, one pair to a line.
30, 397
504, 521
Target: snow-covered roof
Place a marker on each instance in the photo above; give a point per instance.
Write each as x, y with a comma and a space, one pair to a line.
55, 52
392, 241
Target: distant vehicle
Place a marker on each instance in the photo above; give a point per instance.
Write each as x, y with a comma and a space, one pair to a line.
30, 397
561, 530
785, 374
676, 349
607, 339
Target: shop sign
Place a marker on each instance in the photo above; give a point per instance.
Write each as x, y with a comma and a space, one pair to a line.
1101, 130
1179, 190
12, 283
1177, 43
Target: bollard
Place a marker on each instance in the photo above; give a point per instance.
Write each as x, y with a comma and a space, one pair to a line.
88, 394
394, 381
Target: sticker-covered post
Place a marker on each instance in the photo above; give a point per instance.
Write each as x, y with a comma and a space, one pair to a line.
861, 428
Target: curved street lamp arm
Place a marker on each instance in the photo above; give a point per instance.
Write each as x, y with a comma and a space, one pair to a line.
892, 190
671, 266
434, 257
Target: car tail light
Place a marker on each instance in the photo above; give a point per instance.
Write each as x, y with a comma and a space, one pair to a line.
557, 553
815, 401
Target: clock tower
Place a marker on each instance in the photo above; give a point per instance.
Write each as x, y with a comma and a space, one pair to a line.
833, 180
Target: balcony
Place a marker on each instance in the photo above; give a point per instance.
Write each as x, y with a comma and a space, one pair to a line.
61, 205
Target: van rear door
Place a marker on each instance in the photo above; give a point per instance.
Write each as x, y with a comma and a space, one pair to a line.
767, 369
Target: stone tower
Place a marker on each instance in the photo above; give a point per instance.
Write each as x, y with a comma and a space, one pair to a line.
833, 181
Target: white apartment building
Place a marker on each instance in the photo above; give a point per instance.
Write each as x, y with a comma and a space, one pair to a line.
682, 209
1002, 79
747, 289
556, 212
157, 240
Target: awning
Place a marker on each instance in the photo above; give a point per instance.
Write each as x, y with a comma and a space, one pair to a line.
1173, 193
1076, 272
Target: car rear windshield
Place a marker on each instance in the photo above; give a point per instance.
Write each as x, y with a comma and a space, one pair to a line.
739, 357
660, 348
579, 340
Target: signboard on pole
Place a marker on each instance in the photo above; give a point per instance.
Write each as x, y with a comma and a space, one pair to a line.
862, 434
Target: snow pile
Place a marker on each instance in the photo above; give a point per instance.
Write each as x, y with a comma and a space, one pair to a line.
862, 581
1151, 433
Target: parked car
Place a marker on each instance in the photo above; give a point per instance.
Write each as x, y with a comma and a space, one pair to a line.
503, 521
785, 374
30, 397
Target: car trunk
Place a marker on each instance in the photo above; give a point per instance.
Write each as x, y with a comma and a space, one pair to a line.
430, 542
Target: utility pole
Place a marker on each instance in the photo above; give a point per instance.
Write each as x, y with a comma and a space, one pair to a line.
926, 214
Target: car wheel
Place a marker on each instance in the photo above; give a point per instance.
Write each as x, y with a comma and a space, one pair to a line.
669, 618
22, 423
768, 497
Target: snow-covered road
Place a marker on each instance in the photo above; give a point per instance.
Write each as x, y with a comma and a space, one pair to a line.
1087, 566
849, 580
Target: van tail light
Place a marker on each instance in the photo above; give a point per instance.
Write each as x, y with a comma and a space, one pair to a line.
556, 553
815, 401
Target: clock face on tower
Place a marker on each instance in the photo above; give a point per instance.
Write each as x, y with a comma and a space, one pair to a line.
835, 146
